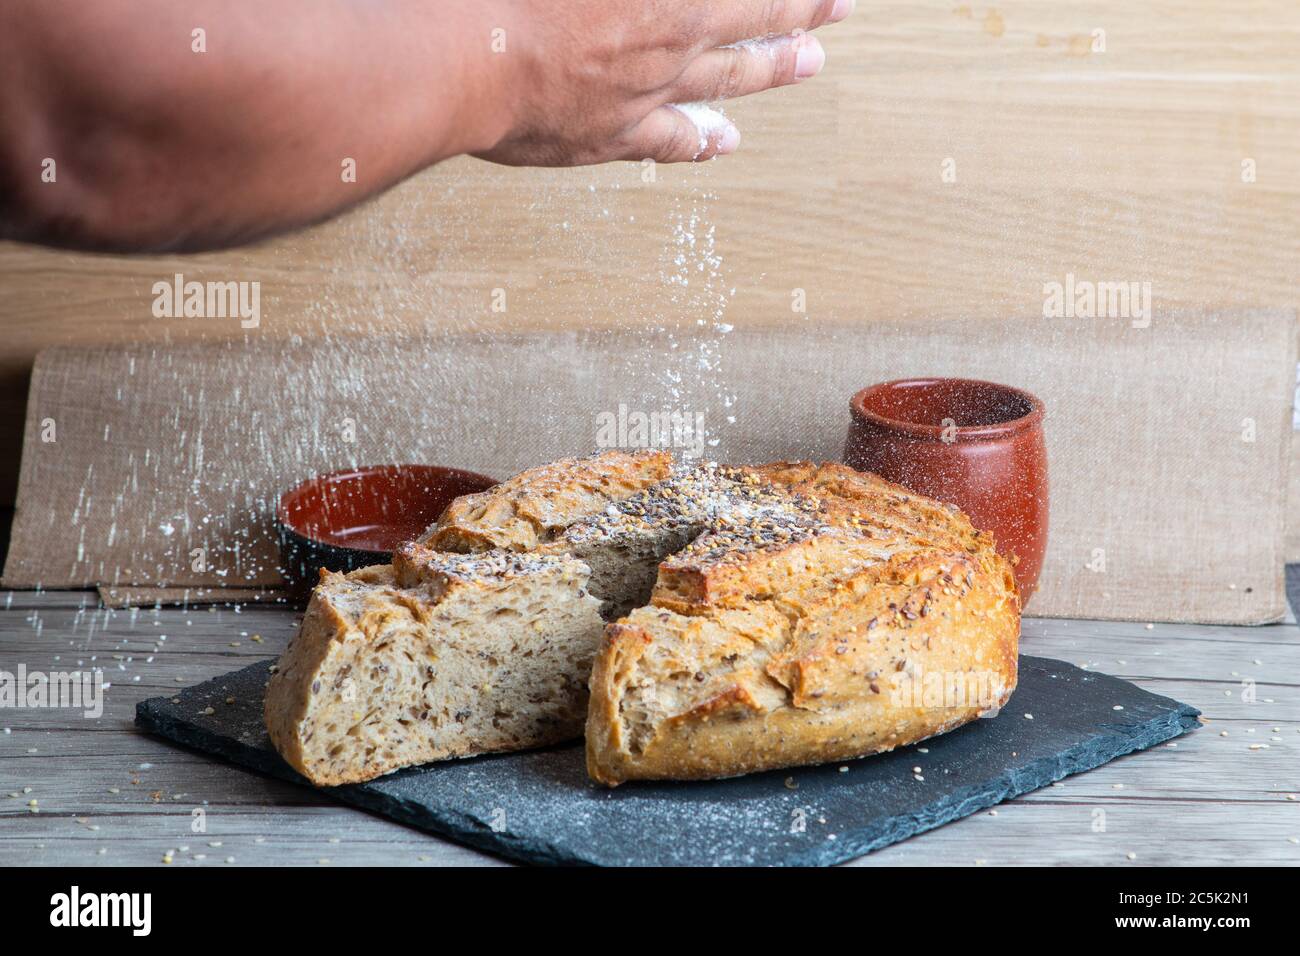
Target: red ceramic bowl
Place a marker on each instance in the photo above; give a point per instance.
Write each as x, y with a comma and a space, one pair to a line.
355, 518
978, 445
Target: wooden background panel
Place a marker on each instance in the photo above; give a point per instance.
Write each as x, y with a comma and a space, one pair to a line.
1116, 165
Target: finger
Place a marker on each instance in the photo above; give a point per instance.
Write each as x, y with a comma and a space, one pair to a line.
760, 18
682, 133
750, 66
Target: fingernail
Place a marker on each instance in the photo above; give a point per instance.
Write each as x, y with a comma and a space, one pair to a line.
841, 10
810, 57
729, 140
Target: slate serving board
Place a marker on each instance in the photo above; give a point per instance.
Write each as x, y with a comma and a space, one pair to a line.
539, 806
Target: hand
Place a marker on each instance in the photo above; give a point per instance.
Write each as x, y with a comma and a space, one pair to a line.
590, 81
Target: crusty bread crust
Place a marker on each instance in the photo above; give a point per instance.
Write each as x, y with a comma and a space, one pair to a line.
533, 506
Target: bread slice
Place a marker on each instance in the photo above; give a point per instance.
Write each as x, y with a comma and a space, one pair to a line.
438, 655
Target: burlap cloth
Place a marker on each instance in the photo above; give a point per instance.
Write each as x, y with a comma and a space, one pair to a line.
1167, 445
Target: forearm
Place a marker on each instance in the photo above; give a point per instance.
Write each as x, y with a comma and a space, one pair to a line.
157, 146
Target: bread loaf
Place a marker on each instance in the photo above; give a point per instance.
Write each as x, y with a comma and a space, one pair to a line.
888, 620
758, 617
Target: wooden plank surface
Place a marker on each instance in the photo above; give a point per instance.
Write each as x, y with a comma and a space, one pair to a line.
1122, 164
109, 795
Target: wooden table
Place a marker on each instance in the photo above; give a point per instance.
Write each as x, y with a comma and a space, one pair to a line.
107, 794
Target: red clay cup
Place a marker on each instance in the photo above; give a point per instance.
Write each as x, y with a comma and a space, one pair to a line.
977, 445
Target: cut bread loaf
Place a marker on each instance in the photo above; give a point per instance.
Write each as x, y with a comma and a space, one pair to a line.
436, 656
872, 619
760, 617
